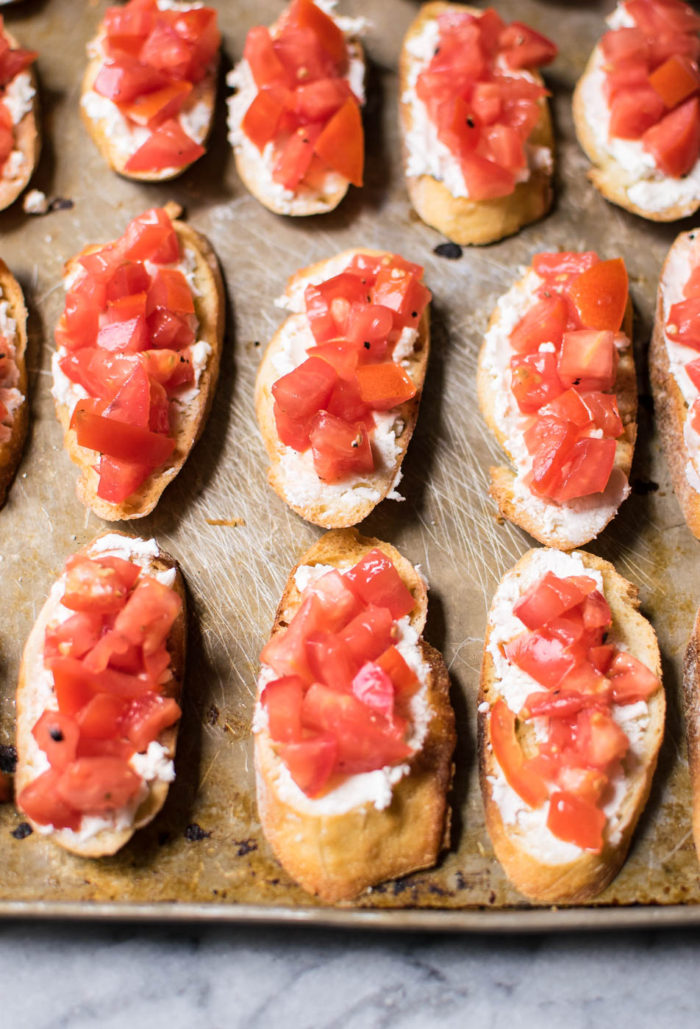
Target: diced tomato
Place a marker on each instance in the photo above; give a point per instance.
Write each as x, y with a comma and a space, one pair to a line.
558, 704
368, 634
119, 479
375, 580
384, 386
93, 785
633, 111
127, 279
600, 295
401, 291
403, 677
93, 586
624, 44
339, 448
561, 267
374, 688
604, 412
596, 611
546, 660
100, 718
328, 34
345, 402
57, 735
263, 117
535, 380
306, 389
146, 717
366, 740
265, 65
149, 614
630, 679
120, 440
331, 660
150, 236
341, 143
599, 739
122, 82
73, 637
170, 289
675, 80
294, 159
625, 77
318, 101
168, 330
341, 357
152, 109
674, 142
569, 407
683, 324
285, 651
310, 761
339, 603
588, 360
600, 657
168, 146
550, 597
522, 47
508, 752
589, 465
484, 179
577, 821
41, 802
371, 323
166, 51
544, 322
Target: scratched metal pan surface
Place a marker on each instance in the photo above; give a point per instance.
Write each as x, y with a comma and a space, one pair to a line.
236, 541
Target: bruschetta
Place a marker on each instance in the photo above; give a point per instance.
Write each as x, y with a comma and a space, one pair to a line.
637, 109
20, 132
570, 720
13, 377
556, 385
338, 388
137, 359
149, 89
294, 118
97, 698
477, 138
691, 691
354, 731
674, 363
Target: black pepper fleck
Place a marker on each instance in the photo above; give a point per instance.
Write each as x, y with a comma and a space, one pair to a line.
367, 345
470, 121
245, 847
61, 204
194, 833
452, 251
56, 734
23, 830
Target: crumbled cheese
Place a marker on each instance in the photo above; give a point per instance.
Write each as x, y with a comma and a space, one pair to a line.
35, 202
19, 96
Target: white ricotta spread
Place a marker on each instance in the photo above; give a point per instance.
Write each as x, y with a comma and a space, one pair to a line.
646, 186
155, 764
580, 519
375, 787
426, 153
19, 95
514, 685
125, 137
682, 258
260, 165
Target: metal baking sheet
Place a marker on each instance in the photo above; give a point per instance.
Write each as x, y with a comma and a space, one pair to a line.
236, 541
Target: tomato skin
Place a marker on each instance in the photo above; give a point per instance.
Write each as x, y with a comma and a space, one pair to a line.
40, 801
149, 614
630, 679
633, 111
265, 65
282, 700
550, 597
306, 14
339, 448
341, 143
375, 580
522, 47
93, 785
683, 324
600, 295
383, 386
507, 751
577, 821
73, 637
674, 142
119, 439
676, 79
285, 652
374, 688
306, 389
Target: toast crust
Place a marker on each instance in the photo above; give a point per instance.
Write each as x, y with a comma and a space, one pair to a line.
691, 698
585, 877
27, 133
463, 220
331, 507
11, 451
670, 408
251, 171
608, 176
338, 856
99, 131
515, 507
188, 422
106, 841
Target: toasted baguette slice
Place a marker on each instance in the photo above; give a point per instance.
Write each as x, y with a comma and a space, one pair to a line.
575, 522
291, 474
337, 855
117, 139
187, 420
36, 691
255, 168
691, 692
542, 867
457, 217
13, 382
622, 170
672, 403
19, 166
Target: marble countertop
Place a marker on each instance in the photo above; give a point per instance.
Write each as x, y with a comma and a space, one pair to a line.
62, 976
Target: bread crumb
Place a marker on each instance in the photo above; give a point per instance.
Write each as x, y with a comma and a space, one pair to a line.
35, 202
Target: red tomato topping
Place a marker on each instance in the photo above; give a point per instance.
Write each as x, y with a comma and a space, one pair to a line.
152, 60
310, 761
600, 295
304, 106
374, 580
108, 663
579, 744
652, 81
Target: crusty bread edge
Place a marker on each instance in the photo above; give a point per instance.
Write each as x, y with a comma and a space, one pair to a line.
11, 451
585, 877
210, 308
462, 220
691, 703
107, 841
27, 140
607, 175
336, 512
503, 478
336, 857
670, 408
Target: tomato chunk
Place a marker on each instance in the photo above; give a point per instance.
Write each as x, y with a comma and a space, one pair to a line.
93, 785
375, 580
41, 802
600, 295
508, 752
576, 821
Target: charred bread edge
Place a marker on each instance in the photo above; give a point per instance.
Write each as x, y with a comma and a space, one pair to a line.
338, 856
11, 451
671, 410
503, 478
106, 841
336, 512
463, 220
210, 310
587, 876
